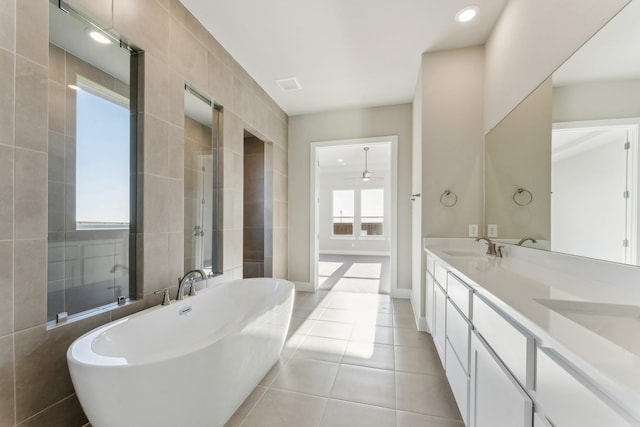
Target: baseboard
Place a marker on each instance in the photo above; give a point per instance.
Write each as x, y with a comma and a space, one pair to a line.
401, 293
361, 253
303, 286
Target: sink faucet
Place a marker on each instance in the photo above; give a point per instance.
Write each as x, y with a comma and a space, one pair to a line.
182, 281
525, 239
491, 247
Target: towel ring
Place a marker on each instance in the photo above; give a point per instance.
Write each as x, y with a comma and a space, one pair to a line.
448, 198
522, 197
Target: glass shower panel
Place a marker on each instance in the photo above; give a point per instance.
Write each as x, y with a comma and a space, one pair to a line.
91, 165
202, 242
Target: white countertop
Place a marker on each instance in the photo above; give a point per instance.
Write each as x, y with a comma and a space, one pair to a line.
592, 324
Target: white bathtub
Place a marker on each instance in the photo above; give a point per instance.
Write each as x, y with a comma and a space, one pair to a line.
163, 368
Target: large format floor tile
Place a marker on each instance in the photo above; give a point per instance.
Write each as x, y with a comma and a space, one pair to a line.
365, 385
307, 376
348, 414
353, 359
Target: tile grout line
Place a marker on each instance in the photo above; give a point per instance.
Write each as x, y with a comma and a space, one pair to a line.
13, 204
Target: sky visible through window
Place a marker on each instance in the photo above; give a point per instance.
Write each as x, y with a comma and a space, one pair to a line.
102, 160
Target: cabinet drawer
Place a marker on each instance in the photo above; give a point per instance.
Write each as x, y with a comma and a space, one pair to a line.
513, 346
567, 401
439, 321
430, 261
459, 382
458, 334
440, 274
460, 294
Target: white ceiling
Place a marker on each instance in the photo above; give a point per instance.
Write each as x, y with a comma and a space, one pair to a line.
345, 53
352, 158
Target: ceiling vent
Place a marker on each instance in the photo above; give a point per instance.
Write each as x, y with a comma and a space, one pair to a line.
289, 84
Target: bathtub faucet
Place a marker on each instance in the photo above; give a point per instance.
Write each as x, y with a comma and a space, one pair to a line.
182, 281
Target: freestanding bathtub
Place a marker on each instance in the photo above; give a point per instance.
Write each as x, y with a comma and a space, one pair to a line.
191, 363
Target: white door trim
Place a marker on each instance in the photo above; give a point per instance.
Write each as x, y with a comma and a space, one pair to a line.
313, 206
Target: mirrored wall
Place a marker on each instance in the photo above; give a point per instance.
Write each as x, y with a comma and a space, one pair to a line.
562, 168
91, 181
202, 183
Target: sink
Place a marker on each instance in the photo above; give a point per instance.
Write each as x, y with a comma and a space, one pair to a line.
461, 253
618, 323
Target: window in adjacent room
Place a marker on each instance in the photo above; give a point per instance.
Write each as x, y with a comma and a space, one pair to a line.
343, 212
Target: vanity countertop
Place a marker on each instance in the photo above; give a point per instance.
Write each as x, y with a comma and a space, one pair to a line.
594, 326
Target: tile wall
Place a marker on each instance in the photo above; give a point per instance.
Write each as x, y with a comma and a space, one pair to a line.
35, 388
254, 207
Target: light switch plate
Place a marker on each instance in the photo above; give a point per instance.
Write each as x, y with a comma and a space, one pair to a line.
473, 230
492, 230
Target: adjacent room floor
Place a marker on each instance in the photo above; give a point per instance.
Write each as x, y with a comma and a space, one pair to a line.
354, 273
352, 359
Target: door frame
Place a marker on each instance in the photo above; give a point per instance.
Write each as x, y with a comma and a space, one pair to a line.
632, 125
314, 226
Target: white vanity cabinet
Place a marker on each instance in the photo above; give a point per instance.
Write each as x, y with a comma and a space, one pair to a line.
498, 372
458, 342
496, 398
567, 401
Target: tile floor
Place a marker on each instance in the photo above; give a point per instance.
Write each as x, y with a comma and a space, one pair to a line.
354, 273
352, 359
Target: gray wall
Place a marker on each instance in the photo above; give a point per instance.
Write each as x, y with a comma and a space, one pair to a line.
346, 124
449, 107
35, 388
531, 40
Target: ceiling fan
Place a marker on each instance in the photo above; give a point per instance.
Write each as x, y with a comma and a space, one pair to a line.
366, 174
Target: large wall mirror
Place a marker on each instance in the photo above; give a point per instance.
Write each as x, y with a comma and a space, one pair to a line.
202, 183
91, 166
562, 168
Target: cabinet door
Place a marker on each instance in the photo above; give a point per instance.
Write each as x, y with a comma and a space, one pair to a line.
429, 302
497, 400
439, 321
567, 401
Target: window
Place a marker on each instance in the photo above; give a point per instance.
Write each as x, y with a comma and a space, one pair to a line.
371, 212
343, 212
102, 158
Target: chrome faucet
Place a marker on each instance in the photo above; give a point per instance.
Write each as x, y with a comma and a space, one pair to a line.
525, 239
182, 281
491, 247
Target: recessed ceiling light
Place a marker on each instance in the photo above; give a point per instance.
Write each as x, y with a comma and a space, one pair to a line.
98, 36
289, 84
467, 14
340, 160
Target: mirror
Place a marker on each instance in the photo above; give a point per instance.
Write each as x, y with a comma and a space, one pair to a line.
91, 162
202, 183
562, 167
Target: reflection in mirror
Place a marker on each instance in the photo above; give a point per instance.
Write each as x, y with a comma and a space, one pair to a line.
573, 143
202, 184
91, 160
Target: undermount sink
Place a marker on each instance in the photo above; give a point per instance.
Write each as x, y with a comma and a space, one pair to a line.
618, 323
461, 253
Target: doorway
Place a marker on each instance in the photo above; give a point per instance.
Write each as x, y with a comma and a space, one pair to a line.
257, 251
594, 188
353, 215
